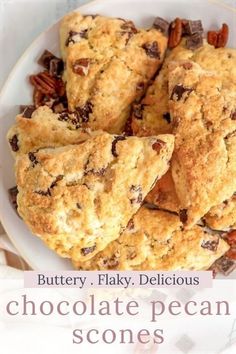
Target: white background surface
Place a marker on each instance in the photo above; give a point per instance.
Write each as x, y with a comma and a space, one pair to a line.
23, 20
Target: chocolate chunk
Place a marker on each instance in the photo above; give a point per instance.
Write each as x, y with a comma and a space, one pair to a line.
46, 58
33, 159
27, 111
178, 92
210, 245
138, 111
161, 25
71, 38
115, 141
233, 115
56, 67
128, 28
84, 111
158, 145
44, 193
64, 117
137, 190
87, 250
195, 41
152, 50
13, 196
81, 66
183, 215
111, 263
58, 178
78, 206
14, 143
225, 265
167, 117
192, 27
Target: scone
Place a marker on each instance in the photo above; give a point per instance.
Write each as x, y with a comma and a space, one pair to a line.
45, 129
155, 119
108, 67
151, 116
202, 106
80, 198
154, 240
223, 216
164, 195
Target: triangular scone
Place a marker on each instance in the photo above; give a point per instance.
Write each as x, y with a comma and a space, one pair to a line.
223, 216
154, 240
151, 116
108, 67
203, 111
80, 198
45, 129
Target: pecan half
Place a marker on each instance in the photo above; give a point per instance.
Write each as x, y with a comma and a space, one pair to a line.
176, 31
38, 97
44, 83
219, 38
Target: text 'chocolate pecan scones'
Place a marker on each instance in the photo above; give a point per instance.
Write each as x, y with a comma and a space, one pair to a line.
154, 240
79, 198
108, 65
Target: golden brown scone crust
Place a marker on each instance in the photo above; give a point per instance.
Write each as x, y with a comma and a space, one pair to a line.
223, 216
202, 107
79, 198
154, 118
163, 195
116, 62
46, 129
154, 240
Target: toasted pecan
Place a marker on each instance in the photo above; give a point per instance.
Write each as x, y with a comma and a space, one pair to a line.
176, 31
219, 38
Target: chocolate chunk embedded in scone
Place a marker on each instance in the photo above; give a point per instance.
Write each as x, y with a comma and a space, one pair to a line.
152, 116
156, 242
107, 67
45, 129
204, 161
80, 198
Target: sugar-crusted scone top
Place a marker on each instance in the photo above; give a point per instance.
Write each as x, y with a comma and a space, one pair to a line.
154, 240
79, 198
108, 65
203, 108
45, 129
151, 116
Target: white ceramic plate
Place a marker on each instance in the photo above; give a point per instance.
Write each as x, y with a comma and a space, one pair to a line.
17, 91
